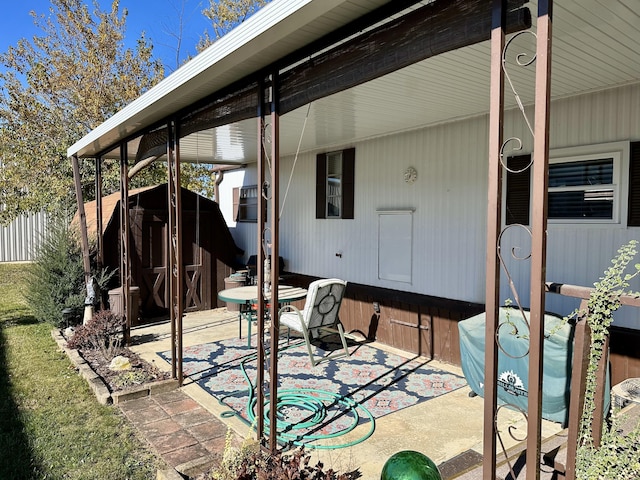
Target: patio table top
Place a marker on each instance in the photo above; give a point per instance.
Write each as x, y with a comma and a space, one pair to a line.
249, 294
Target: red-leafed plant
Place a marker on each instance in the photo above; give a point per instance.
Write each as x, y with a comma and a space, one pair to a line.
102, 333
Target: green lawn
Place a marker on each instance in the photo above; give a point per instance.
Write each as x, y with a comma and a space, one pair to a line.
51, 426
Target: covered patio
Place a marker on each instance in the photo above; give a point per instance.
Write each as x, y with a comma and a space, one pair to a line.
310, 79
448, 428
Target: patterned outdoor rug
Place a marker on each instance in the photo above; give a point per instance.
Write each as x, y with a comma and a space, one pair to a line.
314, 403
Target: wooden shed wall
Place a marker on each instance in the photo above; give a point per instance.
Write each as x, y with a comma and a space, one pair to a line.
208, 250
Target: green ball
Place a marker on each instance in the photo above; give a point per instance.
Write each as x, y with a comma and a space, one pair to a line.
410, 465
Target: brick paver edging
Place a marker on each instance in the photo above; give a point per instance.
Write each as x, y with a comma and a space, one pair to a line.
99, 387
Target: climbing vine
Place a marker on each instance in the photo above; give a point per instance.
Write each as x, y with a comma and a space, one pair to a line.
617, 455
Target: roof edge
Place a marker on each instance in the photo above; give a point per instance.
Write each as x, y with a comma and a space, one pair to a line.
276, 20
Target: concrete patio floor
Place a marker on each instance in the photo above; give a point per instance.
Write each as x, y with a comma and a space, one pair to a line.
447, 429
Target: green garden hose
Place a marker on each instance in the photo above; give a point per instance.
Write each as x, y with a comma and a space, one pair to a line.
314, 402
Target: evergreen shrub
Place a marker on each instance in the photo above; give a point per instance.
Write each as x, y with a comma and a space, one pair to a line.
56, 280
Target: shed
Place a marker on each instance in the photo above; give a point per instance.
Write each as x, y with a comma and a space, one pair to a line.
209, 253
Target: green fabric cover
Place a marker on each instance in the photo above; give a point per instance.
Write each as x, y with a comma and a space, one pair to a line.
513, 366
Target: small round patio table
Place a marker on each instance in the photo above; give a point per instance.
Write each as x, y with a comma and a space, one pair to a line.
247, 296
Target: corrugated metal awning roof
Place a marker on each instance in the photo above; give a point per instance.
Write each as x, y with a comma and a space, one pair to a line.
595, 47
275, 31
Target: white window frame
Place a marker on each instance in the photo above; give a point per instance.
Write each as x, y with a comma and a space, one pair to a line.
619, 153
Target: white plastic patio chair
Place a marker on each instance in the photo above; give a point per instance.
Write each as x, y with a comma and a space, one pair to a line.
319, 316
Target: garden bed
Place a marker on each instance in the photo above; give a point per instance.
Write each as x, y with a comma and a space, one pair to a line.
110, 386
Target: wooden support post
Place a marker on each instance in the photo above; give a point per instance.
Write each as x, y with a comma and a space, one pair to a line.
175, 274
601, 382
494, 222
125, 262
275, 220
260, 367
99, 226
581, 345
539, 237
84, 237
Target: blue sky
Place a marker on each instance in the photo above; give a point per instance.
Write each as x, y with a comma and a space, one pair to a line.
157, 18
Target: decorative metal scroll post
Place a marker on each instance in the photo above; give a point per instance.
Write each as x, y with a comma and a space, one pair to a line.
175, 273
267, 247
494, 219
125, 266
274, 252
261, 384
497, 145
539, 239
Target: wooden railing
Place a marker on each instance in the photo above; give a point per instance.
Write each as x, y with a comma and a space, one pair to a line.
582, 343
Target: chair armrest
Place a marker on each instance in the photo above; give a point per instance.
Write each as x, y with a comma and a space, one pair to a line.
291, 311
289, 307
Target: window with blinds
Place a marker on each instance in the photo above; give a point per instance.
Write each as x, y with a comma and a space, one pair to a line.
334, 185
583, 189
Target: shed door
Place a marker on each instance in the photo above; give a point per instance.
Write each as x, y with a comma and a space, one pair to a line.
154, 292
196, 258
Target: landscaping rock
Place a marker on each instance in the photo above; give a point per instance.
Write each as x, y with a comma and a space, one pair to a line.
94, 373
120, 363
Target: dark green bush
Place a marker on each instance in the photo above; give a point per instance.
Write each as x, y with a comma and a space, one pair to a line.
56, 281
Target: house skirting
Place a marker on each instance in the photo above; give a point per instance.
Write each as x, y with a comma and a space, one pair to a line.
428, 326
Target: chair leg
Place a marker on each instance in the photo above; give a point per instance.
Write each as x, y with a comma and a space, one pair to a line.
343, 339
307, 340
250, 318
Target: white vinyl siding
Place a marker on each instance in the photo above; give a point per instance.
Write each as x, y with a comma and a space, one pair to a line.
448, 254
449, 201
578, 254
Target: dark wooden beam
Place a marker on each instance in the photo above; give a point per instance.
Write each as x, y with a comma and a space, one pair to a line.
437, 28
431, 30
